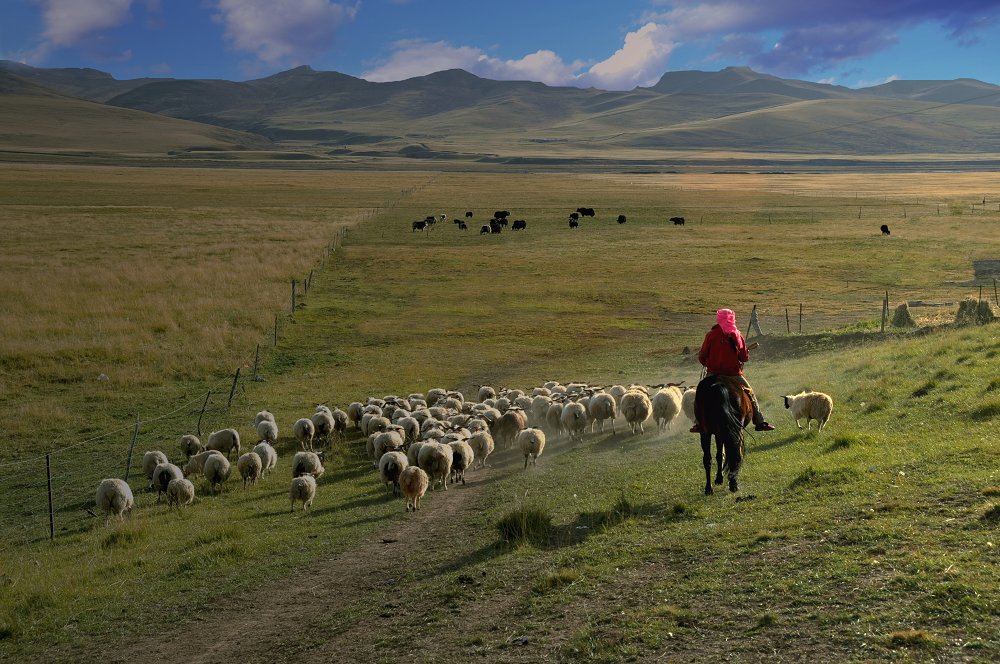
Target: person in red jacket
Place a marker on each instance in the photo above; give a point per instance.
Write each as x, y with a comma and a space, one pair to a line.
723, 353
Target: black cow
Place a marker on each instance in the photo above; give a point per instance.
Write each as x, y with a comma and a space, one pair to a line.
419, 226
495, 226
621, 219
501, 214
462, 226
503, 221
885, 229
586, 212
678, 221
574, 215
574, 223
430, 220
519, 225
484, 229
468, 215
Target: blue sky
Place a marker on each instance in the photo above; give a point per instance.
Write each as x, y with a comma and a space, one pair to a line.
610, 45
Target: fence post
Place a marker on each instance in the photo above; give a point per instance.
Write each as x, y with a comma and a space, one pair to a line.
788, 325
996, 300
885, 310
750, 324
256, 356
52, 516
800, 318
232, 392
131, 446
202, 414
310, 278
293, 296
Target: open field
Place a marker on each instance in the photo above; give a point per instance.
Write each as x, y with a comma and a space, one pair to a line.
848, 535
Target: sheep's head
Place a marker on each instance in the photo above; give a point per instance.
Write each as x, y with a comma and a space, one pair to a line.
788, 401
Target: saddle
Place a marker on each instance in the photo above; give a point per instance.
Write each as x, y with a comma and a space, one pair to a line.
739, 396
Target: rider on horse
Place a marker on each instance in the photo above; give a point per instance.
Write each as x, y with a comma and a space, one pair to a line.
723, 353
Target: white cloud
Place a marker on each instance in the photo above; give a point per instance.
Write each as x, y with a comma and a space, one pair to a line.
281, 32
419, 58
640, 61
68, 22
878, 81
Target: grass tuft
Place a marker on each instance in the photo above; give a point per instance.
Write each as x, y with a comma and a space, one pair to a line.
766, 620
912, 638
991, 491
992, 514
564, 576
126, 535
804, 478
525, 524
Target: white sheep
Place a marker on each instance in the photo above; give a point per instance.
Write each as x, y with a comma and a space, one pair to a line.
196, 464
666, 406
150, 460
435, 459
687, 402
573, 420
487, 392
411, 428
268, 456
180, 493
413, 451
811, 406
463, 457
216, 471
532, 443
602, 407
304, 430
226, 441
482, 446
307, 463
250, 466
553, 418
539, 407
636, 408
339, 420
162, 475
390, 466
263, 416
114, 497
267, 430
617, 391
323, 425
303, 488
354, 412
190, 445
387, 441
413, 482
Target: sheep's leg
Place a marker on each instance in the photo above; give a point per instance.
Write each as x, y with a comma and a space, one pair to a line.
525, 461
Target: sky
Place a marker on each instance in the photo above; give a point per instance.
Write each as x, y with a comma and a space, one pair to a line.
606, 44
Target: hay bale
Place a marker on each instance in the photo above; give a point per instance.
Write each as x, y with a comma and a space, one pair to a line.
902, 318
974, 312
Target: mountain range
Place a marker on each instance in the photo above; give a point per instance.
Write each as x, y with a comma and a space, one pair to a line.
456, 115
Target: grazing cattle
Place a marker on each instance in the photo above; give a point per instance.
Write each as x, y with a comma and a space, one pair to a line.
468, 215
443, 217
462, 226
885, 229
574, 223
586, 212
419, 226
678, 221
502, 222
484, 230
430, 220
501, 214
495, 226
621, 219
519, 225
574, 215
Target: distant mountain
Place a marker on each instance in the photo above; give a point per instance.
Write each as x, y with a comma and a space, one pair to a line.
37, 119
458, 115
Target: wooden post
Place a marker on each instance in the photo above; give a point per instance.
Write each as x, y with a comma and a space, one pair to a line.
52, 515
293, 296
800, 319
310, 278
939, 210
232, 392
256, 357
747, 335
885, 310
859, 213
788, 325
202, 414
131, 446
996, 300
980, 292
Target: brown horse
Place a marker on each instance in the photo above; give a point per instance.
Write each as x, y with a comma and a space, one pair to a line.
723, 409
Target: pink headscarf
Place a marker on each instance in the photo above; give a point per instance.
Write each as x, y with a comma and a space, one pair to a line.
727, 321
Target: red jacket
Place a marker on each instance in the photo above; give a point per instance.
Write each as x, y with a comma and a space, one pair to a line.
723, 355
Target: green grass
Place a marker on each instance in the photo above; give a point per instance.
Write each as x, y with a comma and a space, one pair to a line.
877, 525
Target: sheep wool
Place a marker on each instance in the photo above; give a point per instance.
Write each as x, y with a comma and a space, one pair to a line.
151, 460
687, 403
310, 463
226, 441
268, 456
196, 464
216, 471
603, 407
304, 489
532, 443
304, 430
573, 419
811, 406
666, 406
390, 466
114, 497
413, 482
636, 408
435, 459
250, 467
482, 446
267, 430
190, 445
263, 416
462, 456
180, 493
162, 475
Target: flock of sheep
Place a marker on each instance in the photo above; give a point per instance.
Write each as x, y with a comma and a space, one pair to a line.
423, 441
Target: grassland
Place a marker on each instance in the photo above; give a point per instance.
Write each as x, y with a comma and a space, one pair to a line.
631, 566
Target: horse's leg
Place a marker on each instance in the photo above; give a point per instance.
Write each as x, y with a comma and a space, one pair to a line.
706, 453
719, 444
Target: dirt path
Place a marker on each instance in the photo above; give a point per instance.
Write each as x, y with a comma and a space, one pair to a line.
309, 617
